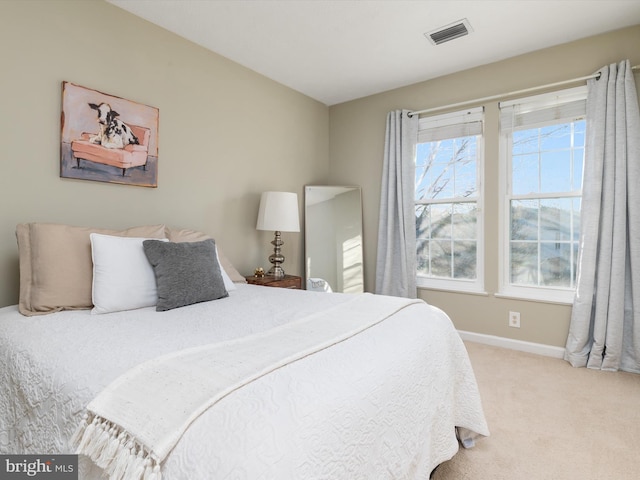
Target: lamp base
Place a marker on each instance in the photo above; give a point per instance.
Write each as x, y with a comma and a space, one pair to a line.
276, 258
276, 271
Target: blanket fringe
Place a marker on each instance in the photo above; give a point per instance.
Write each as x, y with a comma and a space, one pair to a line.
114, 450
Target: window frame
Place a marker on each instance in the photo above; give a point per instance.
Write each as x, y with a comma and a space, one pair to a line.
549, 294
450, 121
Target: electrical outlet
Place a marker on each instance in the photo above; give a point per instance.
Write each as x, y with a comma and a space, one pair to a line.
514, 319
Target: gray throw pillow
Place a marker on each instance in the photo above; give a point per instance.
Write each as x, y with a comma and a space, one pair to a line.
186, 273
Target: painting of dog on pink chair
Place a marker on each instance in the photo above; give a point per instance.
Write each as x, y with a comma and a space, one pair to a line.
107, 138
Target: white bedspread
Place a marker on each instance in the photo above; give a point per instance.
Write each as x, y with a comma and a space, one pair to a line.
381, 405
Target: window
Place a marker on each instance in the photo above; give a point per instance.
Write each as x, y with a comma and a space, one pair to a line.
542, 153
448, 201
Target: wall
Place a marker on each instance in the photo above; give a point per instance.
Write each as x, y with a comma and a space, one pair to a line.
225, 133
357, 142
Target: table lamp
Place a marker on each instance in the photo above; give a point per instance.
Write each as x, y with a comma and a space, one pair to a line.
278, 213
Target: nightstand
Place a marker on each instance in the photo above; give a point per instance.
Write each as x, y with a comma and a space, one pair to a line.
288, 281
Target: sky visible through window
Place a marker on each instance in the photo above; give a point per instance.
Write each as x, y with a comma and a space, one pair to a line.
545, 187
446, 209
546, 183
548, 159
446, 168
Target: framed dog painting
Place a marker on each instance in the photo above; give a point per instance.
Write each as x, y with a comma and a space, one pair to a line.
107, 138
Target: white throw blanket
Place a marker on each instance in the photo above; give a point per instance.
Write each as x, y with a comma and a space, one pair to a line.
133, 424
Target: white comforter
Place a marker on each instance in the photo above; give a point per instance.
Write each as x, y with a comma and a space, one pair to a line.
380, 405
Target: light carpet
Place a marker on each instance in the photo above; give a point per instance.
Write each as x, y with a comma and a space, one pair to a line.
550, 421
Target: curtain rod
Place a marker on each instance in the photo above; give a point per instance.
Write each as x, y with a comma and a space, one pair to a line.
509, 94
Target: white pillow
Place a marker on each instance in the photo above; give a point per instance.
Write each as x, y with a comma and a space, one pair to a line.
123, 278
228, 283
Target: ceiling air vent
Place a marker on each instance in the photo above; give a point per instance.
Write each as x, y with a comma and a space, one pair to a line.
450, 32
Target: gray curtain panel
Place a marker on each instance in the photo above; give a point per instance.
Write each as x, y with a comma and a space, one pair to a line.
605, 322
396, 256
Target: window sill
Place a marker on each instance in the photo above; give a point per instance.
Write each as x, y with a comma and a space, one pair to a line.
539, 298
470, 289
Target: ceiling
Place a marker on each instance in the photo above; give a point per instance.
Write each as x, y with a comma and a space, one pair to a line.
339, 50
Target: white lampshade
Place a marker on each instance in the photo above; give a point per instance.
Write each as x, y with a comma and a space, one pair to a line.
278, 212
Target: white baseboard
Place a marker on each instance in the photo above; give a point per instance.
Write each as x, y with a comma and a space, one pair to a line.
538, 348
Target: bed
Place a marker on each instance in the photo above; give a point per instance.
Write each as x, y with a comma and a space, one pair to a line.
388, 398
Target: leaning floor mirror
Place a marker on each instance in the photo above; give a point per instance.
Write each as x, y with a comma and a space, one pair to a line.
333, 239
